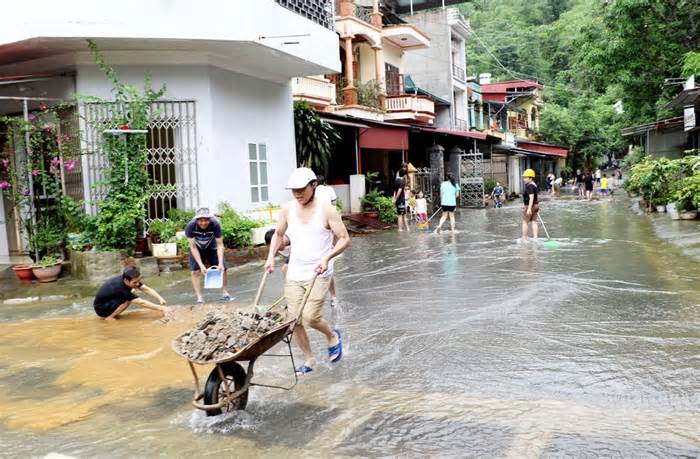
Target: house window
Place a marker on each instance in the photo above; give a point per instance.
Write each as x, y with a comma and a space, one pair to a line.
257, 163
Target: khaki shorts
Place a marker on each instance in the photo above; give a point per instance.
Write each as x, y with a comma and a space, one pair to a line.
294, 292
533, 217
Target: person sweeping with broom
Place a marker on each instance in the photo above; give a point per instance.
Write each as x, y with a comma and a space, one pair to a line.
532, 207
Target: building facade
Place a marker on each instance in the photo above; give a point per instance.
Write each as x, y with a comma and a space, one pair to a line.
225, 130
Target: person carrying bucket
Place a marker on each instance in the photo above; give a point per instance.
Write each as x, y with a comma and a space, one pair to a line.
206, 243
531, 205
310, 225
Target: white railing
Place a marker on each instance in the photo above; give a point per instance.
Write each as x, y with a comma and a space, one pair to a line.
409, 103
316, 90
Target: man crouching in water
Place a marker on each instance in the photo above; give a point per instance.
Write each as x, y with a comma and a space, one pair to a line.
310, 225
117, 294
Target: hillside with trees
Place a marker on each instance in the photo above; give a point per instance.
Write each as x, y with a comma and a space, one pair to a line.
605, 64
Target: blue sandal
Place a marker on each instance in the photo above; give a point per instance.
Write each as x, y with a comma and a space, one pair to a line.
304, 369
336, 350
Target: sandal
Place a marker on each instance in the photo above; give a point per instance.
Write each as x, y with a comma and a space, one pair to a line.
304, 369
336, 350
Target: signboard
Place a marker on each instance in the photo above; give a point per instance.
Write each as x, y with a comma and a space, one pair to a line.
689, 118
509, 141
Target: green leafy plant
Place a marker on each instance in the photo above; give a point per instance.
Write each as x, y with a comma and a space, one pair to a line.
46, 262
180, 217
315, 138
489, 185
372, 178
369, 94
686, 193
375, 201
235, 227
183, 245
122, 211
163, 231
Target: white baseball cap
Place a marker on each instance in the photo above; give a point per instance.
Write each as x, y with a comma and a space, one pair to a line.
301, 176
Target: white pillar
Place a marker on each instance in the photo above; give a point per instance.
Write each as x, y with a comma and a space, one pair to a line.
357, 192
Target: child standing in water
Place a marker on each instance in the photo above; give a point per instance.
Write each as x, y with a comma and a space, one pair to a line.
421, 208
411, 202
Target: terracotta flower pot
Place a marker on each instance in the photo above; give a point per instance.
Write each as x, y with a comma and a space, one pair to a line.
48, 274
372, 215
23, 272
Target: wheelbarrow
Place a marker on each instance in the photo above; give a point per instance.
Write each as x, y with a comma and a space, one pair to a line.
228, 383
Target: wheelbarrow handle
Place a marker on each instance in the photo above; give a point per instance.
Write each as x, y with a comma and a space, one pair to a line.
260, 289
306, 297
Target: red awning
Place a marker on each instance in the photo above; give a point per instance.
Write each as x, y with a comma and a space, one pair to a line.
384, 138
470, 134
543, 148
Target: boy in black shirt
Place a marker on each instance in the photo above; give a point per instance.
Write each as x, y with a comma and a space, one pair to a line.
117, 294
530, 202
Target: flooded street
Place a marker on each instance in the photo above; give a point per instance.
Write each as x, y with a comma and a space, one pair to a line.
468, 344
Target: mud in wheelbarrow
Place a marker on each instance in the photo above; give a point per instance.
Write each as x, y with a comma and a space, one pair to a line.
227, 386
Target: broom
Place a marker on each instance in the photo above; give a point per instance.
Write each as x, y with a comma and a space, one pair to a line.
549, 243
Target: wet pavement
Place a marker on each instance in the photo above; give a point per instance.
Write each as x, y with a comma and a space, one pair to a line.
468, 344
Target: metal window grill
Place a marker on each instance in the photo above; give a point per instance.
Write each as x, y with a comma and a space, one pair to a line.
321, 12
421, 182
171, 146
471, 179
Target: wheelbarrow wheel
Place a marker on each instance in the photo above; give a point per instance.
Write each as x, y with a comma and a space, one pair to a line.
215, 389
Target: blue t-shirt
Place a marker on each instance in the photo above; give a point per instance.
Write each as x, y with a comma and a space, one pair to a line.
498, 190
204, 238
448, 194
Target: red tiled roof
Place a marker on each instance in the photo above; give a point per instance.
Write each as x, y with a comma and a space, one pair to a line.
505, 86
544, 148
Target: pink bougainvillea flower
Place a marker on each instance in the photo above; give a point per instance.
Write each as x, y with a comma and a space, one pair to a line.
70, 164
56, 161
35, 172
5, 163
31, 117
4, 185
42, 106
124, 127
24, 192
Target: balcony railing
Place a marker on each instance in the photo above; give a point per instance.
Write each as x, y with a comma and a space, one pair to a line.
313, 90
453, 14
458, 73
413, 106
363, 14
321, 12
461, 124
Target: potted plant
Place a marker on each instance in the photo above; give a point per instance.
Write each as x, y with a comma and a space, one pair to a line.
47, 269
163, 238
686, 195
23, 272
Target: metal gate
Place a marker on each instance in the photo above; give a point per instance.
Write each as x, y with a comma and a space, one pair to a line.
171, 144
471, 179
421, 182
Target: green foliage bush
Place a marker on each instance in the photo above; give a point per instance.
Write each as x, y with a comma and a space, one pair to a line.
164, 230
660, 181
375, 201
180, 217
235, 227
489, 185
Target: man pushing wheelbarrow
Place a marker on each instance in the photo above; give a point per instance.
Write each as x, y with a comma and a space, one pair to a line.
310, 226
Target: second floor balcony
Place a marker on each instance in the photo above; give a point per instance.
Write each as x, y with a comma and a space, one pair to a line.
316, 91
410, 107
459, 74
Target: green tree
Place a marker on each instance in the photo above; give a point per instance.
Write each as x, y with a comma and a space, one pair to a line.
315, 138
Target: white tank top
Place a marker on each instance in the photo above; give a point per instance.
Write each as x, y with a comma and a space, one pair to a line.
310, 242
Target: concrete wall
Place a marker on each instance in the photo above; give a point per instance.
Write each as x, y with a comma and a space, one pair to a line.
393, 56
669, 144
247, 110
247, 21
232, 110
431, 68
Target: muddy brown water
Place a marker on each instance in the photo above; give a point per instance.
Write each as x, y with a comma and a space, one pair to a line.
469, 344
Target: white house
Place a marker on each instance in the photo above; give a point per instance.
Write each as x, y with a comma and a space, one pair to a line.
225, 130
